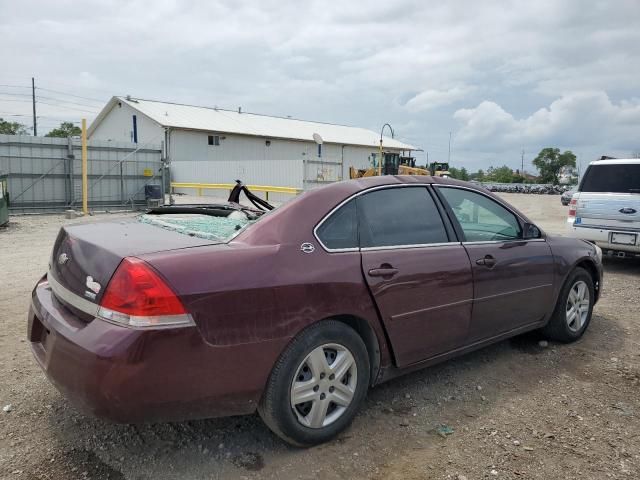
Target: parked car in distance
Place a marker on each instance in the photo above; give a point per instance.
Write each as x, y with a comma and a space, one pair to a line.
200, 311
606, 208
565, 198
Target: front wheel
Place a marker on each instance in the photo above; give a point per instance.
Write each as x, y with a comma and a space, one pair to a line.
573, 311
317, 385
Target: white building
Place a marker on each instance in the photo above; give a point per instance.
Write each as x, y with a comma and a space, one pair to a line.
212, 145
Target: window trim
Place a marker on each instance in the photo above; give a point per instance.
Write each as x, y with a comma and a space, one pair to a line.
402, 247
436, 201
458, 227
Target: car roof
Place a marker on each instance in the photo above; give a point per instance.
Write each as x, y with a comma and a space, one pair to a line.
309, 208
377, 181
617, 161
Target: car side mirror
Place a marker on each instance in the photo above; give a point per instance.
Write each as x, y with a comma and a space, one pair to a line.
530, 231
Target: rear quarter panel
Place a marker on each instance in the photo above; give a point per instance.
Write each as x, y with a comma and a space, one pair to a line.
239, 293
568, 253
266, 295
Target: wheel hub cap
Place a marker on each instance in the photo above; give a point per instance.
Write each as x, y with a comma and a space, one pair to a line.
324, 385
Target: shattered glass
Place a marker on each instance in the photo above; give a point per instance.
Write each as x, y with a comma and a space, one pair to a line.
201, 226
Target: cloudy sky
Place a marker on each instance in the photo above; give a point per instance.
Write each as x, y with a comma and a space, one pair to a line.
502, 76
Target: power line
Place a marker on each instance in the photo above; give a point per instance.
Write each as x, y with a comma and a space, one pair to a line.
45, 117
50, 104
73, 87
16, 94
61, 100
71, 95
70, 108
14, 100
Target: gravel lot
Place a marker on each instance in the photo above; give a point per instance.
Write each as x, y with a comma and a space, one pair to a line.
517, 409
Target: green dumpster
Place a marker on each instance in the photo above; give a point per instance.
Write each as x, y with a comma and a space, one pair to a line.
4, 200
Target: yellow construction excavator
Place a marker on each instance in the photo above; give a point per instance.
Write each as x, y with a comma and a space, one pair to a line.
394, 164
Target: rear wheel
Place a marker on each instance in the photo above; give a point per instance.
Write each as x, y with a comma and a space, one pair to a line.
317, 385
573, 311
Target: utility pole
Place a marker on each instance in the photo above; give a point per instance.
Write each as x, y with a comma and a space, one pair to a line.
33, 97
449, 157
522, 170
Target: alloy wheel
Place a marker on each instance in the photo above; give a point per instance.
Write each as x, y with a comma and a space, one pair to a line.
324, 385
577, 309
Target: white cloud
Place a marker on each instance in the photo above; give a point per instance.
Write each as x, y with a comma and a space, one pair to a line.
582, 119
436, 98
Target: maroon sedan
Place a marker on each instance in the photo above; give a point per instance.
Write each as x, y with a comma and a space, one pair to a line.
200, 311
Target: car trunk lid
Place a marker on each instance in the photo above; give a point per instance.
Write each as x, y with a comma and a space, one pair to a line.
85, 256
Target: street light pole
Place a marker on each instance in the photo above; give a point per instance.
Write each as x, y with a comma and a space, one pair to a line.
381, 154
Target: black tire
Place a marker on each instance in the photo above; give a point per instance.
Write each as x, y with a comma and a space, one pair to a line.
558, 328
276, 408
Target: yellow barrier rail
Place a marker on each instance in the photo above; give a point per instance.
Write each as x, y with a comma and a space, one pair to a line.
229, 186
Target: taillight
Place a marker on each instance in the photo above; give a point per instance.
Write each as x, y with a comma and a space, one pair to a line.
572, 207
137, 296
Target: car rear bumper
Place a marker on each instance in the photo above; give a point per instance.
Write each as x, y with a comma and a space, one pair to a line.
602, 236
132, 375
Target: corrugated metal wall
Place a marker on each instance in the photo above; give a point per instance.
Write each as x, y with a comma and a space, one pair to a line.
44, 174
262, 161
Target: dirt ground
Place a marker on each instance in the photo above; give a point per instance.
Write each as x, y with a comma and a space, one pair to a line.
515, 410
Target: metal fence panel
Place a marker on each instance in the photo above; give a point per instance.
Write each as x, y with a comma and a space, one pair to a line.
44, 174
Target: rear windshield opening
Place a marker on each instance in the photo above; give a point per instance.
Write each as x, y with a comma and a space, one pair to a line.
613, 178
210, 227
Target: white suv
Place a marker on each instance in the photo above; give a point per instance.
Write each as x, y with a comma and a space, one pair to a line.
606, 208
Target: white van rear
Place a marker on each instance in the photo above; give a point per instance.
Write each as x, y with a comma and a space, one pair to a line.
606, 208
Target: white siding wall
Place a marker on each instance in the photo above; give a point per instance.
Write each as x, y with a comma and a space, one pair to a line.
117, 126
285, 163
251, 160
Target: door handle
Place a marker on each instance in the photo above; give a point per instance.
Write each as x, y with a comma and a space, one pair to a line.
487, 261
383, 272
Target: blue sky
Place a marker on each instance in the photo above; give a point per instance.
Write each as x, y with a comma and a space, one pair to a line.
501, 76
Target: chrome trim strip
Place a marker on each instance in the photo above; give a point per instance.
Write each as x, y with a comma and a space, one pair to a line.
357, 194
141, 323
515, 240
608, 228
399, 247
71, 298
422, 185
522, 290
430, 309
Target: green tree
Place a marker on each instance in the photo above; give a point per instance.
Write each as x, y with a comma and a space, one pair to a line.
501, 174
459, 173
66, 129
550, 162
12, 128
478, 176
454, 173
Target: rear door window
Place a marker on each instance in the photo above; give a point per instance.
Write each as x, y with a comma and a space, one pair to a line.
481, 218
611, 178
399, 217
340, 230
